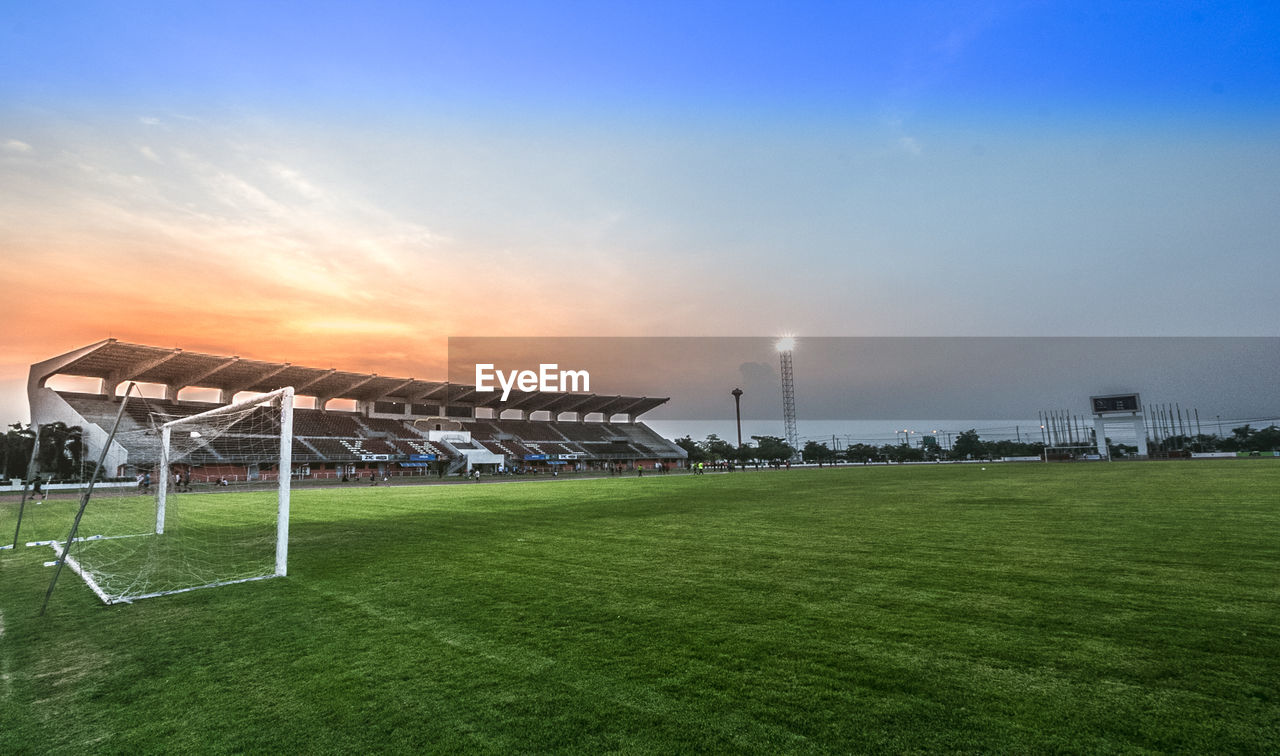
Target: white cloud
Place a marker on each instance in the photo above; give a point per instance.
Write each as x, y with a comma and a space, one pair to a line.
355, 325
910, 145
295, 181
13, 145
232, 204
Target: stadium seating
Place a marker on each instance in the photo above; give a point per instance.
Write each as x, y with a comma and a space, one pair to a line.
350, 437
393, 428
325, 424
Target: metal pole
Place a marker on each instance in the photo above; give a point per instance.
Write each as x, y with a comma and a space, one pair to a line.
1160, 424
31, 469
737, 411
1165, 431
284, 479
84, 498
162, 500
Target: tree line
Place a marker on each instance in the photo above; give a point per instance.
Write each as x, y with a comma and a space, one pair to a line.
715, 450
1246, 438
61, 453
968, 445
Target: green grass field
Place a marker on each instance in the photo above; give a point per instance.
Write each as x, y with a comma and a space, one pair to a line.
1023, 609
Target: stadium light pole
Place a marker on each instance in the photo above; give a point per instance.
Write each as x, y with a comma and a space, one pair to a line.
785, 345
737, 411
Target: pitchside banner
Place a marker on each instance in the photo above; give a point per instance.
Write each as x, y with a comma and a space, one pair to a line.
883, 379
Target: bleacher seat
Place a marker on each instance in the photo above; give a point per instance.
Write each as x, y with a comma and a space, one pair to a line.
330, 436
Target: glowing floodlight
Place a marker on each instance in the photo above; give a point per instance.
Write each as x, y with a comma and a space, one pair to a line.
786, 344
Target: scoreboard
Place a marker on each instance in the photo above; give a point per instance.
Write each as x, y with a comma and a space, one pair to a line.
1104, 405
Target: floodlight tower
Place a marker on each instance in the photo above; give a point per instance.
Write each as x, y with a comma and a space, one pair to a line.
784, 347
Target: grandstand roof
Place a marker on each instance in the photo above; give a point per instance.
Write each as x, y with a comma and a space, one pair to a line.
117, 362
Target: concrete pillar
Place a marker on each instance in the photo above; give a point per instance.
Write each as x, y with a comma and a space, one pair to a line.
1140, 431
1100, 435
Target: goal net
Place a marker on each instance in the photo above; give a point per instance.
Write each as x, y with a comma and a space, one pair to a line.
204, 501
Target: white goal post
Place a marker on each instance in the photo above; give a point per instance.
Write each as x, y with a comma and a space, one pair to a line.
186, 525
285, 464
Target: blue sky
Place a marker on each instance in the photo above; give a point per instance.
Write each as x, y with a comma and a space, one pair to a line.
350, 184
843, 58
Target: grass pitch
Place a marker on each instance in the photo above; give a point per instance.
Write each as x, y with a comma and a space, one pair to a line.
1021, 608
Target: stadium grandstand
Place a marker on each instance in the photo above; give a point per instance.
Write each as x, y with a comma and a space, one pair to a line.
386, 426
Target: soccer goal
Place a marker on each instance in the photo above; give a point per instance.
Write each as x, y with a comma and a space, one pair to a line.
205, 503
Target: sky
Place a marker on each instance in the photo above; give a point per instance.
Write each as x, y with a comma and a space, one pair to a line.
347, 186
900, 378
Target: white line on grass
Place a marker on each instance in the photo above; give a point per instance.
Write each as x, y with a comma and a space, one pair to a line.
6, 689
